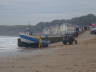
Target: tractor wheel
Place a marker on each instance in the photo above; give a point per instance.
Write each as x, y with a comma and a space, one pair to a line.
70, 43
76, 42
64, 43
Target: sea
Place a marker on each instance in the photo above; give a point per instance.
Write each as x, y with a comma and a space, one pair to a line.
9, 47
8, 43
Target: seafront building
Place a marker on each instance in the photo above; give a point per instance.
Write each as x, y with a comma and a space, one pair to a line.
59, 29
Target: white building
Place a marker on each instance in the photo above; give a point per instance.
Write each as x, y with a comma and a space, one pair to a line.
59, 29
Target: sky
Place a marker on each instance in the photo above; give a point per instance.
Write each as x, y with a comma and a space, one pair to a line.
21, 12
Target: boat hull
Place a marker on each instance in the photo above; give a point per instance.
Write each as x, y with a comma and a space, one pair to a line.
29, 41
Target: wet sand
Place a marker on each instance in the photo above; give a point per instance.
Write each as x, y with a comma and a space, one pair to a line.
56, 58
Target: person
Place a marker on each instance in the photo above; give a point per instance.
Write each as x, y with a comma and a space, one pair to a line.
40, 43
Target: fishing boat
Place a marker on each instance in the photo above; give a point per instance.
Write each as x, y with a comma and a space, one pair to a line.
26, 39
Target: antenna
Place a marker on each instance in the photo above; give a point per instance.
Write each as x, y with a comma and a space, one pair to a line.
29, 26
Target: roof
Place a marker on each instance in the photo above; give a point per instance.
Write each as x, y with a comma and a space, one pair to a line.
93, 24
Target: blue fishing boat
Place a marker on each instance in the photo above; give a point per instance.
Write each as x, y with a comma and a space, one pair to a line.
28, 40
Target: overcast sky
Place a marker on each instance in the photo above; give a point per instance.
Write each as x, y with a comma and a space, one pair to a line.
20, 12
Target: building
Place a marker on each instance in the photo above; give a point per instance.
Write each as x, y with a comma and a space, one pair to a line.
59, 29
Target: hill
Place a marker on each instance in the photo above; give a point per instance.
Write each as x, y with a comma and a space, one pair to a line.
38, 28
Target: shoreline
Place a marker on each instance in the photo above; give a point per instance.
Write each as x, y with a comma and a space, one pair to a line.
56, 58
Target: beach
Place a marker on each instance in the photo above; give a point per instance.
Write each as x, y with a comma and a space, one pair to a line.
56, 58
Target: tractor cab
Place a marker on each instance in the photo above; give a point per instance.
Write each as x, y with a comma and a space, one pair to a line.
69, 39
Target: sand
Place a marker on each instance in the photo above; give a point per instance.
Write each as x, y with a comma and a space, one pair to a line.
56, 58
